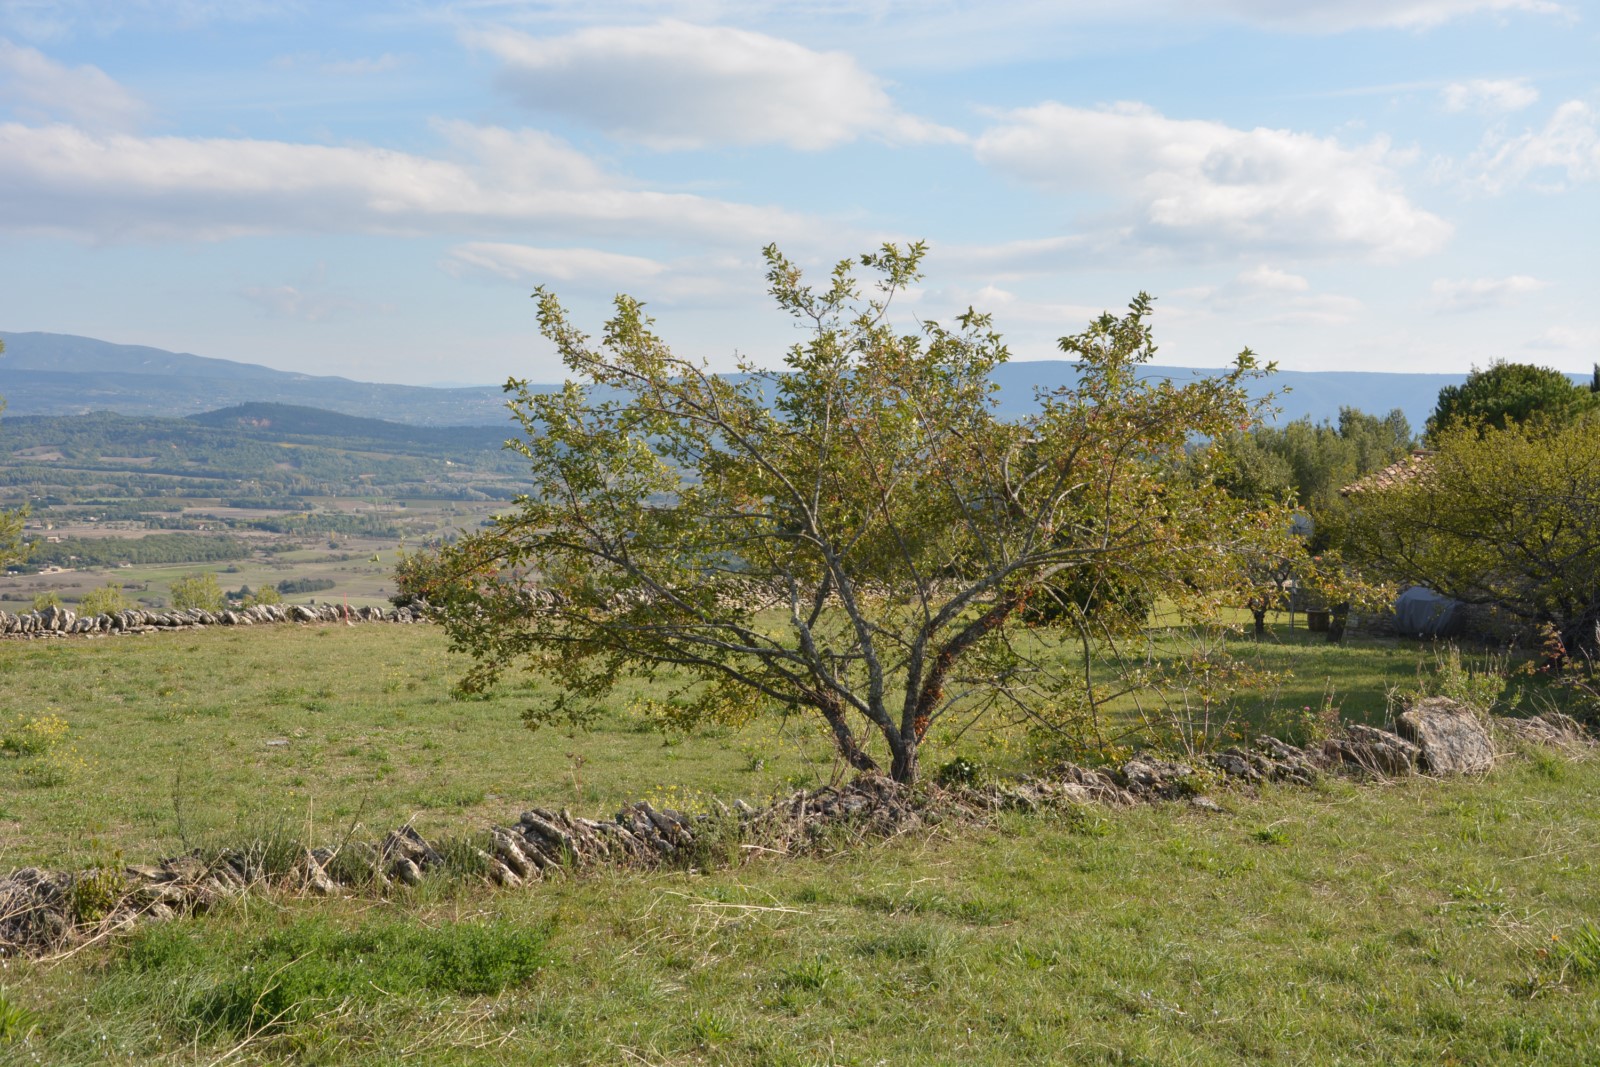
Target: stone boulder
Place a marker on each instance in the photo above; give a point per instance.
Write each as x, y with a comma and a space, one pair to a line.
1451, 738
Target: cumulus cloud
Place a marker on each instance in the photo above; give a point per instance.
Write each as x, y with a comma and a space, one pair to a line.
1469, 294
64, 181
38, 87
673, 85
1564, 152
1200, 182
1492, 97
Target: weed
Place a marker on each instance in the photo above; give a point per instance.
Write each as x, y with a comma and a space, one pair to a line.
707, 1028
16, 1021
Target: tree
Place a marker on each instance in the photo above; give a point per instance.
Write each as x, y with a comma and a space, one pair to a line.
198, 590
1511, 393
856, 535
1500, 516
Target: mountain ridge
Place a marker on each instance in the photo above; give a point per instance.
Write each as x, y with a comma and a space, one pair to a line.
67, 374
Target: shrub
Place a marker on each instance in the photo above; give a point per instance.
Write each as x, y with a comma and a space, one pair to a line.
197, 591
267, 594
48, 599
105, 600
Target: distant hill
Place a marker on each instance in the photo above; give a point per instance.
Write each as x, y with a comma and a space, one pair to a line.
61, 374
290, 422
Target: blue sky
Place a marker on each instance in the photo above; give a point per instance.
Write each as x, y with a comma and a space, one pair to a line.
372, 190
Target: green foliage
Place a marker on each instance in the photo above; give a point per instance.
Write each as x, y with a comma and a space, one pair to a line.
47, 599
105, 600
199, 590
1504, 517
868, 493
1309, 464
1511, 394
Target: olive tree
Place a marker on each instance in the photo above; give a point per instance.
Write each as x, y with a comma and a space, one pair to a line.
856, 534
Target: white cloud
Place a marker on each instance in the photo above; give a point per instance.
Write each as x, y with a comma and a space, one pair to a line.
1566, 151
1340, 15
1272, 280
38, 87
1567, 339
1492, 97
1268, 294
1199, 182
519, 262
673, 85
1470, 294
598, 272
63, 181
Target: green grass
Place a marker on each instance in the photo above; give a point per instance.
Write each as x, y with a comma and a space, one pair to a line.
189, 738
168, 744
1416, 922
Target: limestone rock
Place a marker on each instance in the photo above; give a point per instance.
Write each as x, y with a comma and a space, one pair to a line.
1450, 737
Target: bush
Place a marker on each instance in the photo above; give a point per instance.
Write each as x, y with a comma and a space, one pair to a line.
105, 600
48, 599
267, 594
197, 591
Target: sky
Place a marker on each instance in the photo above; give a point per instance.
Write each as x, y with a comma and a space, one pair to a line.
374, 190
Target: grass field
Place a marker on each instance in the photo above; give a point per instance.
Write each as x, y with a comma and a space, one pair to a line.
180, 738
1412, 922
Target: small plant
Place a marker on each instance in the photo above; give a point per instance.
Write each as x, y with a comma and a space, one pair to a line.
707, 1028
1484, 689
33, 736
16, 1022
1578, 954
96, 893
959, 771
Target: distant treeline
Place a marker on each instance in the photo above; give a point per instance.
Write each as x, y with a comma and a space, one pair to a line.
295, 586
157, 548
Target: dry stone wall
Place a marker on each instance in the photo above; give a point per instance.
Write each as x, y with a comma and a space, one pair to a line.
63, 622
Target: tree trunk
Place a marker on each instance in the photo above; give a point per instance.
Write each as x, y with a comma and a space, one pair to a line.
904, 767
1261, 621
